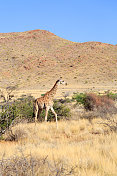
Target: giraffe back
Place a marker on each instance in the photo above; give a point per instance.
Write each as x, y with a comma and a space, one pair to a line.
44, 101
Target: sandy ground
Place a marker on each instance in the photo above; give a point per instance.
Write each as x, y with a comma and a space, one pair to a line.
65, 91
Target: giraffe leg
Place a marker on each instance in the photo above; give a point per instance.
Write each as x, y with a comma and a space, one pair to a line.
46, 113
53, 111
36, 112
39, 112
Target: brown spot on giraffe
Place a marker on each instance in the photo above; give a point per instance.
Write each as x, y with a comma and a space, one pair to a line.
46, 102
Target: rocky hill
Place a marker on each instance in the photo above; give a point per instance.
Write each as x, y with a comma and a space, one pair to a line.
35, 59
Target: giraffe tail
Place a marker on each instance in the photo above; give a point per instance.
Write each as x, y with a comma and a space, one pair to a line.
34, 108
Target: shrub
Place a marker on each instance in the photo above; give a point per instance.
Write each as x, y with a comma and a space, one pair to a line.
102, 104
112, 95
8, 114
15, 135
33, 166
91, 101
23, 107
79, 97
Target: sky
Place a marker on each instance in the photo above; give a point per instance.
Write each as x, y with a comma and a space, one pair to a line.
74, 20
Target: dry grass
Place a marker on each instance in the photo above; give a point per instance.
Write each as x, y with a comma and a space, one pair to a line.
76, 148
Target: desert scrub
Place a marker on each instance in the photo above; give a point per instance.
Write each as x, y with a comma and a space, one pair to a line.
30, 165
22, 108
112, 95
79, 98
8, 114
101, 104
25, 106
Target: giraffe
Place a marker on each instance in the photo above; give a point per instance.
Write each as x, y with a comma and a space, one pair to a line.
46, 102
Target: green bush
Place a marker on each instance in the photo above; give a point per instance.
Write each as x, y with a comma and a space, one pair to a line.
112, 95
25, 106
22, 107
8, 114
79, 97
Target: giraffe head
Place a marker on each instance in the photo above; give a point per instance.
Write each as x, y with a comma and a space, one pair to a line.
60, 81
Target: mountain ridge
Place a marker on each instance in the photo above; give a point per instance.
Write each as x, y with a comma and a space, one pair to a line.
37, 58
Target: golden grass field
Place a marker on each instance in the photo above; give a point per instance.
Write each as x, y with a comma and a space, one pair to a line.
80, 148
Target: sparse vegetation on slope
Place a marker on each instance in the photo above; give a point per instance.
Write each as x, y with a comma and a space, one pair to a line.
25, 56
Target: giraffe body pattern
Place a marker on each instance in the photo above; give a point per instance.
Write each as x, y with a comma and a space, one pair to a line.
46, 102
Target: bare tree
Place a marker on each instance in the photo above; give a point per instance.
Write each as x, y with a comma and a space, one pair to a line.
7, 92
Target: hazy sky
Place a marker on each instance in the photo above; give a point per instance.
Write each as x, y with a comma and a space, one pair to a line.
75, 20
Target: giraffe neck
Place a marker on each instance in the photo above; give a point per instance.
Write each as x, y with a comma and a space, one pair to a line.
53, 91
